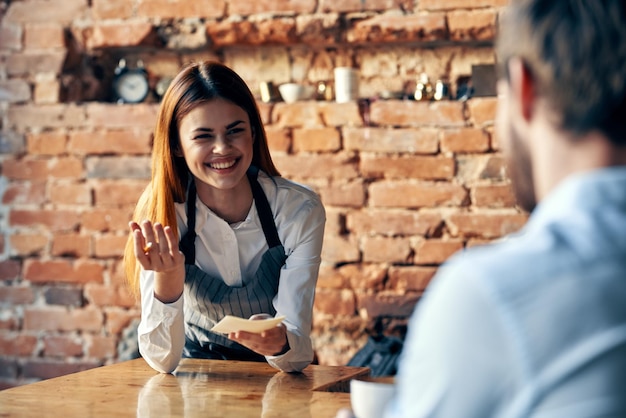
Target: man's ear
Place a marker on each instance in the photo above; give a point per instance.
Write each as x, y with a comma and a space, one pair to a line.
522, 87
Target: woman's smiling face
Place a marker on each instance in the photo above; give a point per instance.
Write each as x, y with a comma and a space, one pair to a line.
216, 140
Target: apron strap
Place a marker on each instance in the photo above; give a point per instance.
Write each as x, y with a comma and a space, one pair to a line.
187, 242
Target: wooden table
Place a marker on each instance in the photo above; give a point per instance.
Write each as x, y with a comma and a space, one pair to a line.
198, 388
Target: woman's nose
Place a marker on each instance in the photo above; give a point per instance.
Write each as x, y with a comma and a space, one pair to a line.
220, 144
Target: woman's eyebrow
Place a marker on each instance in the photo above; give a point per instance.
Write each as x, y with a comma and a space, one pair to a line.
229, 126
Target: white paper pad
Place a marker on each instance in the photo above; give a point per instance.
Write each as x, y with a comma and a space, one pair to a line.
233, 324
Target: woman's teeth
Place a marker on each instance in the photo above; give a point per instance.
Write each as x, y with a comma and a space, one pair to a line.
222, 166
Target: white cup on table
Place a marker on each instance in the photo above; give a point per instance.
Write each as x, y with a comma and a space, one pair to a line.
369, 398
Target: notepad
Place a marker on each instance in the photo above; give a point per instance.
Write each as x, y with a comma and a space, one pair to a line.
233, 324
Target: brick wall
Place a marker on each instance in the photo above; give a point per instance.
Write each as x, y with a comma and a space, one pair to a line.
405, 183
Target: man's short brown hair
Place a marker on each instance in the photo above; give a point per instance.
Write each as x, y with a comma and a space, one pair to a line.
576, 53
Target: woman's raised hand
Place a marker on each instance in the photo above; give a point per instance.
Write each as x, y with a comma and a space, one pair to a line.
156, 247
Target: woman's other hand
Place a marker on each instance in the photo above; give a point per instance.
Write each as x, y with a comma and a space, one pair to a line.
271, 342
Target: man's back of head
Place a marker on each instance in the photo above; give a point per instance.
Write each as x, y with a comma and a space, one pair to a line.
575, 51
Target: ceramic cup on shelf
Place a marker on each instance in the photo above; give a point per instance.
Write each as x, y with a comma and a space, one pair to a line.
369, 398
346, 84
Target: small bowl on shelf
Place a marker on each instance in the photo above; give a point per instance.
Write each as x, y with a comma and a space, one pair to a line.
293, 92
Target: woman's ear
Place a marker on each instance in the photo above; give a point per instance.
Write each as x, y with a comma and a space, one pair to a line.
178, 152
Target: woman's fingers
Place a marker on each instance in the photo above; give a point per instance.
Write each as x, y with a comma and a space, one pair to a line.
156, 246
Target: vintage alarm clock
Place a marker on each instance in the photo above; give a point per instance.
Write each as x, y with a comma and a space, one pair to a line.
130, 85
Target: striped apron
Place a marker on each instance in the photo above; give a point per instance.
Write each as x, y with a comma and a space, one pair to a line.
209, 299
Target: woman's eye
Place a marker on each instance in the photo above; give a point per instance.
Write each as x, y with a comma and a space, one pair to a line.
234, 131
203, 136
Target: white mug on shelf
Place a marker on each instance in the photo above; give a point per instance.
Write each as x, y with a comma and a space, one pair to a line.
346, 84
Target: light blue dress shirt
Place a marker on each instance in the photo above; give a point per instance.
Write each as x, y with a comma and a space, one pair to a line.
531, 326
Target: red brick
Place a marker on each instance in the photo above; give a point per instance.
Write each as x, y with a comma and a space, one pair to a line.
117, 319
10, 37
45, 11
340, 250
396, 167
70, 194
26, 244
111, 9
297, 115
459, 4
15, 91
330, 277
481, 167
25, 169
386, 249
274, 31
410, 278
386, 304
47, 91
485, 225
62, 346
331, 166
106, 295
183, 8
399, 28
270, 6
128, 141
414, 141
333, 114
109, 245
364, 276
43, 36
48, 369
72, 244
25, 192
482, 110
118, 193
346, 194
31, 63
475, 25
360, 6
464, 140
104, 220
411, 113
123, 34
79, 271
14, 295
393, 222
55, 220
62, 319
409, 194
435, 251
27, 117
101, 348
13, 344
46, 143
278, 139
316, 140
494, 195
114, 116
66, 167
335, 302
